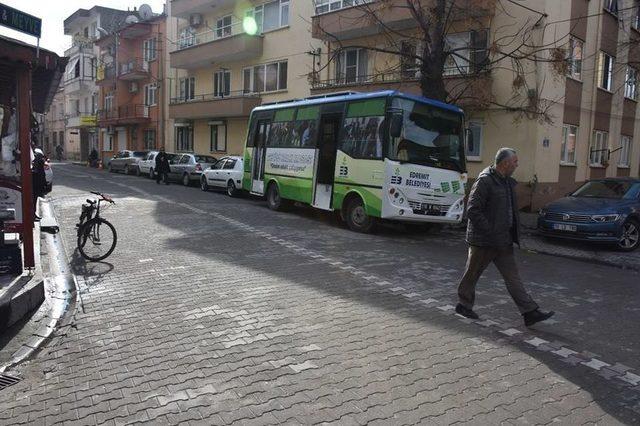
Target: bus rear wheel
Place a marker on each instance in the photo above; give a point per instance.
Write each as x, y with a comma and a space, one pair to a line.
274, 200
357, 218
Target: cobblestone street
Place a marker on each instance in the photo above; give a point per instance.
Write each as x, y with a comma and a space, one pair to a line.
216, 310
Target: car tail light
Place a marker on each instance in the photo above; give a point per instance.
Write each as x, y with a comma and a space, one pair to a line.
198, 167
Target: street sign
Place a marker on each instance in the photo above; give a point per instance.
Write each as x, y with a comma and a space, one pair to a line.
20, 21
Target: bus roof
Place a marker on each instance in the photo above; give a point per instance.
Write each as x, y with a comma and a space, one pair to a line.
355, 97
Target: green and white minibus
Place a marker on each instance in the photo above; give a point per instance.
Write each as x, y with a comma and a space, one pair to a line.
369, 156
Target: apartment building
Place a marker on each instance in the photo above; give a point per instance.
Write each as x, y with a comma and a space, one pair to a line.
54, 124
589, 129
80, 91
131, 76
228, 58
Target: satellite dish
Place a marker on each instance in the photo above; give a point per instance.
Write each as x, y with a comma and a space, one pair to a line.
131, 19
145, 12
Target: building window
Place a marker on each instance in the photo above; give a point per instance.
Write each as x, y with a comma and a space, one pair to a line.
184, 138
218, 137
631, 84
459, 49
611, 6
54, 138
186, 38
265, 78
270, 16
477, 128
149, 49
222, 83
149, 138
599, 149
409, 67
625, 152
324, 6
223, 26
150, 94
635, 15
574, 59
107, 142
351, 66
605, 71
187, 88
108, 102
568, 147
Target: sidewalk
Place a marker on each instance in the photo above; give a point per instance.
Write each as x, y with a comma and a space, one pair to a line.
595, 253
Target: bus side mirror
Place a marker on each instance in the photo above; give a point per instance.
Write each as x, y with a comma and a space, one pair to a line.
469, 137
395, 127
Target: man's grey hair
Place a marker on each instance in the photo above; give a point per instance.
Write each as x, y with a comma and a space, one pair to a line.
503, 154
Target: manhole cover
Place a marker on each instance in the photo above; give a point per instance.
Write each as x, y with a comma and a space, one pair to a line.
6, 381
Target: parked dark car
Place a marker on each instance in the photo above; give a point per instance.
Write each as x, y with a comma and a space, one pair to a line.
604, 210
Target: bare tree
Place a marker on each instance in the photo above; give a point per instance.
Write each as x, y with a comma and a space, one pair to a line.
518, 45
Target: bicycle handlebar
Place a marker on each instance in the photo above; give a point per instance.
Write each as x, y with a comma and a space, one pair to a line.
104, 197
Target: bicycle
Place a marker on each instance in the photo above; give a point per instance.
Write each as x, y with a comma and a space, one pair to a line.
95, 234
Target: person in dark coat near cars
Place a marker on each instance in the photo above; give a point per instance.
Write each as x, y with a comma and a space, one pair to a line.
162, 167
492, 230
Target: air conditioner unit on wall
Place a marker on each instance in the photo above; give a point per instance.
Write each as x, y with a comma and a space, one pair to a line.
195, 20
133, 87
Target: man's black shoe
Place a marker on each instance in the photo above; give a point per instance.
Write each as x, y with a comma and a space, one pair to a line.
466, 312
535, 316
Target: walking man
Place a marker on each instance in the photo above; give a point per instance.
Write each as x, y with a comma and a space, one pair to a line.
162, 167
492, 229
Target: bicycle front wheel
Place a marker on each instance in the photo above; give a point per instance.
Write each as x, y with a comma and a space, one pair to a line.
96, 239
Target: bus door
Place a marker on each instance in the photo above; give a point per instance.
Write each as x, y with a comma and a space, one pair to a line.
326, 164
259, 152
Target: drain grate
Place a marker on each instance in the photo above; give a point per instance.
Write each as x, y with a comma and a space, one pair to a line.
6, 381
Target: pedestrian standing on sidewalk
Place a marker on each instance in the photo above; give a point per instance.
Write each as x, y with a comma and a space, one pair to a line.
162, 167
38, 178
492, 229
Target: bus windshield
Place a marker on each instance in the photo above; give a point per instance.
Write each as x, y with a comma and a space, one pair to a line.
430, 136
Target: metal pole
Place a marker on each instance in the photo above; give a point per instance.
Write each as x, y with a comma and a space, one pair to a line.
24, 135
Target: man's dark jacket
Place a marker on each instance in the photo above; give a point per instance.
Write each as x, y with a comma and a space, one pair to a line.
162, 163
488, 211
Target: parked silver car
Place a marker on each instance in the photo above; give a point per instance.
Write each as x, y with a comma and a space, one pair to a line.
126, 161
187, 168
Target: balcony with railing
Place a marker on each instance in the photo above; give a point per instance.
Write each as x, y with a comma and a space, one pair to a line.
237, 103
374, 17
226, 44
125, 114
134, 69
184, 8
105, 76
469, 90
84, 47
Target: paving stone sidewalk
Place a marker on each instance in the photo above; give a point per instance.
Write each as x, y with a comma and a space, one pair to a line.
214, 318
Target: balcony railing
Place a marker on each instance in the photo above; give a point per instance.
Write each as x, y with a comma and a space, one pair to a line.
214, 96
209, 35
133, 66
124, 113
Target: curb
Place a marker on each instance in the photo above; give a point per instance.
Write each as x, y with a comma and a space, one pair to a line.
63, 288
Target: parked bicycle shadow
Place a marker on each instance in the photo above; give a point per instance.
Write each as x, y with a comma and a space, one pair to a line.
92, 273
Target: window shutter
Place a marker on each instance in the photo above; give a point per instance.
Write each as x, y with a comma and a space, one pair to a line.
479, 54
362, 65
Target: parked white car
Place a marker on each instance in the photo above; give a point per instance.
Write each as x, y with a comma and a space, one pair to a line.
147, 165
226, 173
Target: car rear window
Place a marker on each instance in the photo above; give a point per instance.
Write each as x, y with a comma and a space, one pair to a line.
139, 154
205, 159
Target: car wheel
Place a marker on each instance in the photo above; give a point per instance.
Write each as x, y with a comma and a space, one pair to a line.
110, 168
185, 180
630, 238
126, 169
203, 184
274, 200
357, 218
232, 191
151, 175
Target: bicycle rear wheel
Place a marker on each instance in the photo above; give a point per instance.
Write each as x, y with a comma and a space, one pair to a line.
97, 239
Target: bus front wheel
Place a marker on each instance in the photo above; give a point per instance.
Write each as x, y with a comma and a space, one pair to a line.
357, 218
274, 200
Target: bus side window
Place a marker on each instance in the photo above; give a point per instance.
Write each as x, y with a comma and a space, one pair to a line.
363, 129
